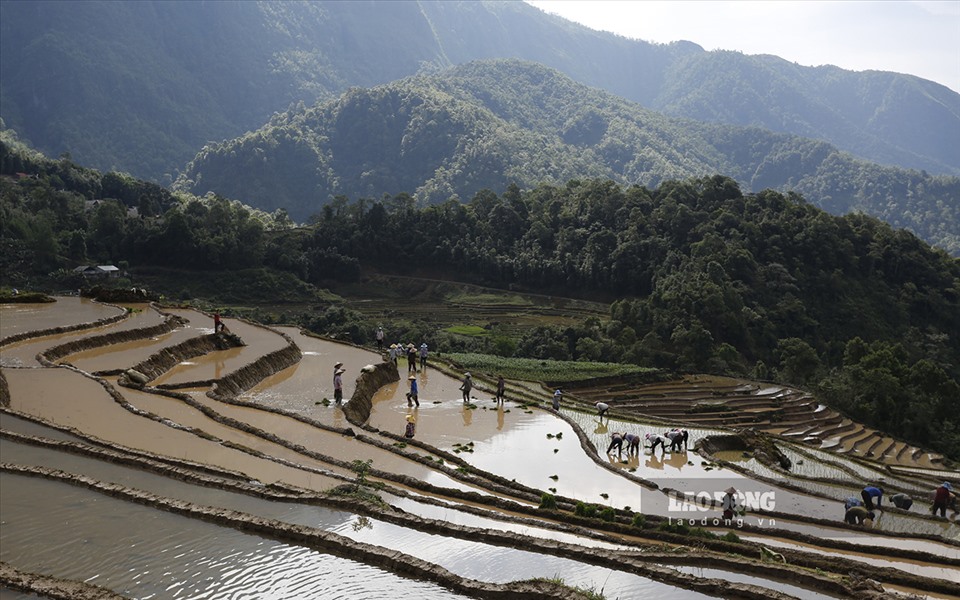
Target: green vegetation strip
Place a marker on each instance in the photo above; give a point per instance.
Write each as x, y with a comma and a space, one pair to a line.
533, 369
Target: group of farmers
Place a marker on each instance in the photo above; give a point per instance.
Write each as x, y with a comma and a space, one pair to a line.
860, 511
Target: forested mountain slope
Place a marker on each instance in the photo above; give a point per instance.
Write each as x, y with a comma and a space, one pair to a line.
141, 86
487, 124
702, 277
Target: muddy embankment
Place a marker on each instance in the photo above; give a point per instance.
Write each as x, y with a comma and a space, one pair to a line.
4, 391
170, 323
52, 587
26, 335
171, 356
248, 376
759, 445
371, 379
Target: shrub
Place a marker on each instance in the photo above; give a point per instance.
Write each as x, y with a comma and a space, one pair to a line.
548, 501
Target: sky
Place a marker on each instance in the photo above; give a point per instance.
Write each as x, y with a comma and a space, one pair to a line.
917, 37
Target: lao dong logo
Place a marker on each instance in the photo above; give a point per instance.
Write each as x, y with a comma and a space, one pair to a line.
712, 501
731, 503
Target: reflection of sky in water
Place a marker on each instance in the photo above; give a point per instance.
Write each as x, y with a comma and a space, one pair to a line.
786, 588
146, 553
926, 570
500, 565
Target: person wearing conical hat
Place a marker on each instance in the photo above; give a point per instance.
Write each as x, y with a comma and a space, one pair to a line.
602, 408
411, 429
423, 356
941, 498
466, 387
379, 338
394, 352
338, 383
413, 394
411, 358
729, 503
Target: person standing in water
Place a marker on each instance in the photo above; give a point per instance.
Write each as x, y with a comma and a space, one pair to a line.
856, 515
411, 429
423, 356
557, 395
413, 394
338, 371
869, 493
941, 498
616, 441
380, 338
729, 503
466, 387
501, 389
602, 408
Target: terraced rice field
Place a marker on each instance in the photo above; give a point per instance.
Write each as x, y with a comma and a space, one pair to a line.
231, 473
788, 413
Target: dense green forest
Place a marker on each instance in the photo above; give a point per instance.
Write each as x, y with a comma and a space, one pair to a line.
700, 276
141, 86
487, 124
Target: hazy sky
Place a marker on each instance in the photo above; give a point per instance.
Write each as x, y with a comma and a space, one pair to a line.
921, 38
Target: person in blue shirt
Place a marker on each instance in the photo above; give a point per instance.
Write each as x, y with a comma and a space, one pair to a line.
850, 502
869, 493
413, 394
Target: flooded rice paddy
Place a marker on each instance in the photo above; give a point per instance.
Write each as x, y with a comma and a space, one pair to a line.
177, 494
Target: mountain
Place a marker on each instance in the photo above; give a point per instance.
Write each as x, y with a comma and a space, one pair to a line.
490, 124
141, 86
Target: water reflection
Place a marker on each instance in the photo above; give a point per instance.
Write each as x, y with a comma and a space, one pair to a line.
145, 553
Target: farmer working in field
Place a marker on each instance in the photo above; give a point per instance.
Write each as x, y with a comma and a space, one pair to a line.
656, 440
869, 493
856, 515
678, 439
616, 441
602, 408
414, 393
466, 386
942, 497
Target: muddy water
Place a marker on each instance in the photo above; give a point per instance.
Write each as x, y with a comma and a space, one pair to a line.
128, 354
21, 318
70, 399
499, 436
146, 553
465, 558
301, 387
329, 443
917, 568
28, 455
888, 521
259, 342
23, 354
786, 588
451, 513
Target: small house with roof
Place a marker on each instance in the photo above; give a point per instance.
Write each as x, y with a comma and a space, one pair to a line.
98, 271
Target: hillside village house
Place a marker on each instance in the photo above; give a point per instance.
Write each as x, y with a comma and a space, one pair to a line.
101, 271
